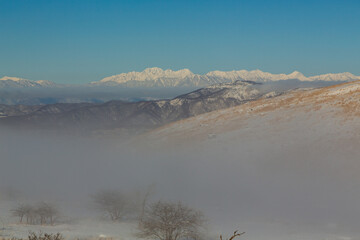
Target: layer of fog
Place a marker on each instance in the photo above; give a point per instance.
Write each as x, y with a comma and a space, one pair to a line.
291, 192
76, 94
36, 96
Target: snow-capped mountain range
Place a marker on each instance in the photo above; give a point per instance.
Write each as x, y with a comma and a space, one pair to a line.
157, 77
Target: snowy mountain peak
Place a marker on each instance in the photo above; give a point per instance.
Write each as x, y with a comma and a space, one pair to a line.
149, 74
168, 72
298, 75
16, 79
157, 77
15, 82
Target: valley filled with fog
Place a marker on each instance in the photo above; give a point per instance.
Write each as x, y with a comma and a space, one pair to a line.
288, 171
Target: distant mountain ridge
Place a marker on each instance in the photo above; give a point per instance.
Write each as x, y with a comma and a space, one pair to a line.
131, 115
157, 77
15, 82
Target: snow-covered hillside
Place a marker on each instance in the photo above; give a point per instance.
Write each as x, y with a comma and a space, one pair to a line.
334, 109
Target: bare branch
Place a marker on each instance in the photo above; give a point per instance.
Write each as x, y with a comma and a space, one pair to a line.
236, 234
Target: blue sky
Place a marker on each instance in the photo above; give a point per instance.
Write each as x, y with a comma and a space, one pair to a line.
80, 41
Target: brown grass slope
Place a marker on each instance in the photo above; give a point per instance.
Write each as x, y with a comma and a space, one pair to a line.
309, 107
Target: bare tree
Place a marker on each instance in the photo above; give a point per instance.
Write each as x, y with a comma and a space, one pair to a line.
30, 214
46, 213
112, 203
24, 211
150, 191
170, 221
20, 212
138, 201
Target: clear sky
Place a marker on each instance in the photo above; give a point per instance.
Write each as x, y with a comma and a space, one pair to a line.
78, 41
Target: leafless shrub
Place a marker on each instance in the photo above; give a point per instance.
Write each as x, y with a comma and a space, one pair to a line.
45, 236
40, 236
170, 221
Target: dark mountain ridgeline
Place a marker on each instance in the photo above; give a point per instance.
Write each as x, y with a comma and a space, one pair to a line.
132, 116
